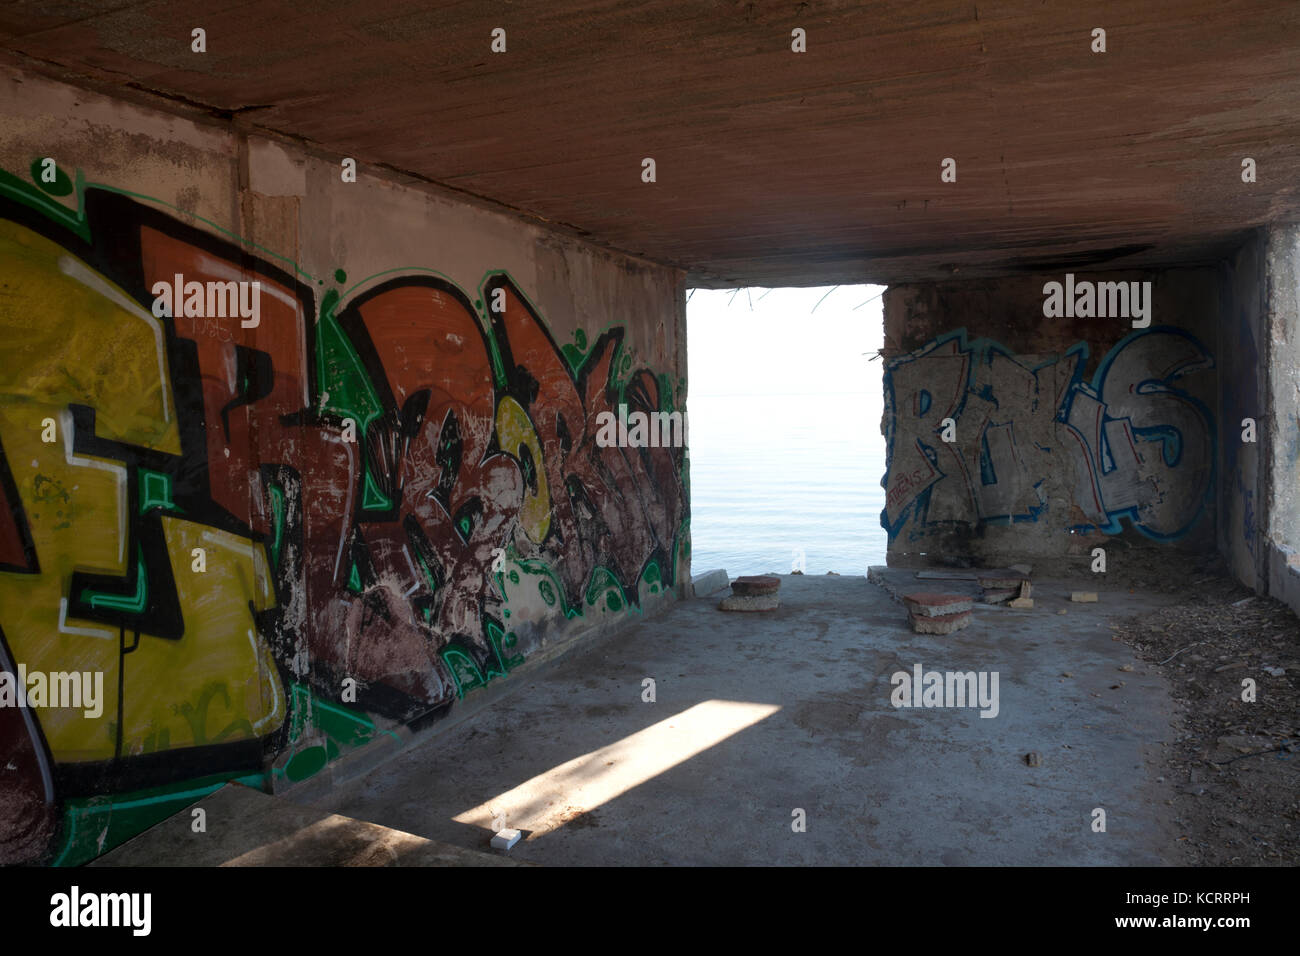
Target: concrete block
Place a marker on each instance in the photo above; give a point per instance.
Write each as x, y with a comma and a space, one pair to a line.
1000, 595
1022, 602
754, 585
940, 625
927, 604
1001, 580
1083, 597
709, 582
505, 839
749, 602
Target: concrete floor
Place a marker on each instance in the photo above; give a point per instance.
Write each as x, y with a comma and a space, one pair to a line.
756, 715
245, 827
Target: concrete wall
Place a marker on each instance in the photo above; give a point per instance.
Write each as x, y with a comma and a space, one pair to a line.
1069, 433
1259, 340
1281, 441
1243, 350
276, 544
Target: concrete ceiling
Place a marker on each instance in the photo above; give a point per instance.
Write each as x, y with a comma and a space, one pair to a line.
773, 168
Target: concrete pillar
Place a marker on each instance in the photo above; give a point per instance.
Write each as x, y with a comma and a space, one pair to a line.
1281, 444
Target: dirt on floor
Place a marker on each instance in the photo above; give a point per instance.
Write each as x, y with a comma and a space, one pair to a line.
1235, 764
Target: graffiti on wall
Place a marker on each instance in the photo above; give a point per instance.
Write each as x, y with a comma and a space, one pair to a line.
389, 485
1129, 444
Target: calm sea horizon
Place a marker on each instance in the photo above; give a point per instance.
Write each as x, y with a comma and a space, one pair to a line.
776, 475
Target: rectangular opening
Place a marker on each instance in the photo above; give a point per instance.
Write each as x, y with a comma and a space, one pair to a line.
787, 454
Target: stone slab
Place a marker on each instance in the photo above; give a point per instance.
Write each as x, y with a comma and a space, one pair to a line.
710, 582
753, 585
931, 604
749, 602
940, 625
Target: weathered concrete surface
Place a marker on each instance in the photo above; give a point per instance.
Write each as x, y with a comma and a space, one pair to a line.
1244, 348
246, 827
341, 567
943, 624
752, 585
930, 604
1011, 434
749, 602
1281, 511
840, 145
709, 582
807, 725
1259, 433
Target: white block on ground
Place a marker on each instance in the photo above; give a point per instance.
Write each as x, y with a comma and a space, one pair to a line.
505, 839
709, 582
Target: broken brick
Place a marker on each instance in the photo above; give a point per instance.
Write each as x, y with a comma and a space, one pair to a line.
944, 624
936, 605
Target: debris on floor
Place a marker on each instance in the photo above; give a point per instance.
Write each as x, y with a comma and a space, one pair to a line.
1083, 597
931, 613
1002, 588
709, 582
1234, 764
988, 589
505, 839
945, 624
1001, 580
753, 585
932, 575
755, 592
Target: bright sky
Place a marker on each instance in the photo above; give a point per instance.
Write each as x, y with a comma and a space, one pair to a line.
784, 341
